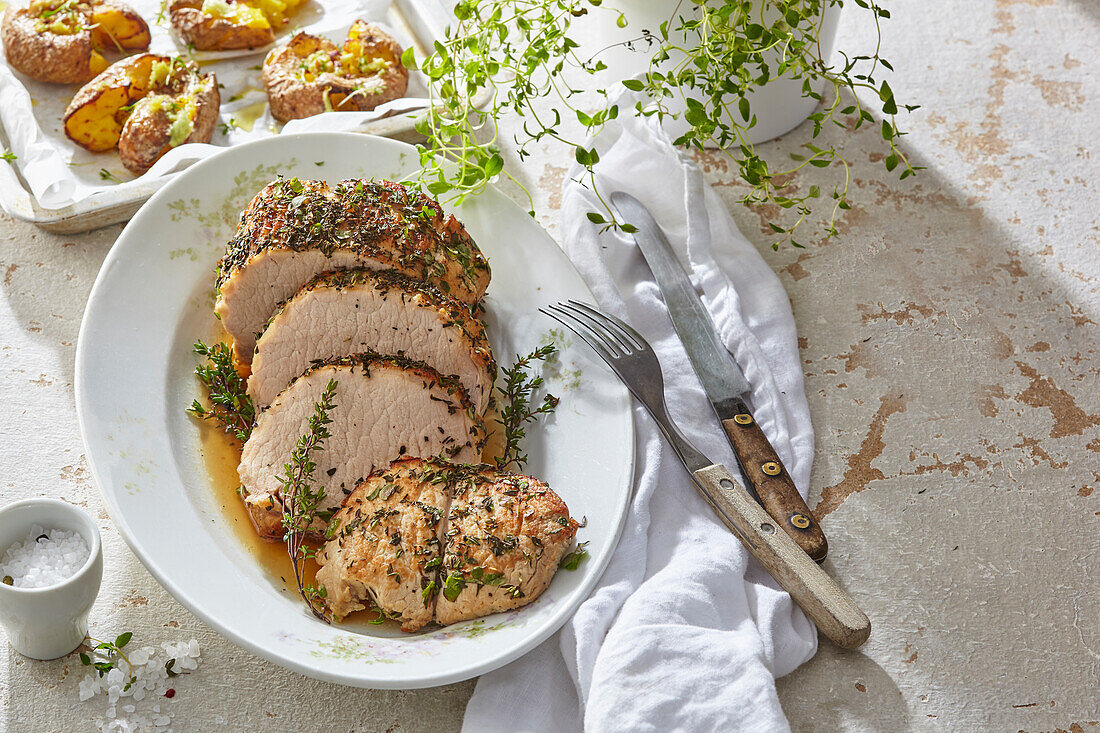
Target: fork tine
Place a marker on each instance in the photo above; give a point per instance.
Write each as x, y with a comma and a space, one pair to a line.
609, 346
624, 329
592, 327
596, 322
580, 332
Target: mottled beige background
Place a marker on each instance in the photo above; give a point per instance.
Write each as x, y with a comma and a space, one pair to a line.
950, 345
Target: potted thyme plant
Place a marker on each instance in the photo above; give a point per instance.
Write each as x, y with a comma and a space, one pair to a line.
711, 71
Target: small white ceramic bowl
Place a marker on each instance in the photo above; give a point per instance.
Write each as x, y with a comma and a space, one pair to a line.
46, 623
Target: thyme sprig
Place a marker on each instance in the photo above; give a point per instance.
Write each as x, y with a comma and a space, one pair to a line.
707, 60
518, 409
106, 655
230, 405
301, 497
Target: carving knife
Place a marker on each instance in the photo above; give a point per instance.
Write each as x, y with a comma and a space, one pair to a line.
724, 383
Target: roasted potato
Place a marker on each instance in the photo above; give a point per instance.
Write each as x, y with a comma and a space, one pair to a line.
311, 74
65, 41
145, 105
223, 25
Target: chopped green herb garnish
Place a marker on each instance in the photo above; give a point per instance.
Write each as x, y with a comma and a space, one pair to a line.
573, 560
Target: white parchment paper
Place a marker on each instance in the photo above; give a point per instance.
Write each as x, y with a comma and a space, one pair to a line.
59, 173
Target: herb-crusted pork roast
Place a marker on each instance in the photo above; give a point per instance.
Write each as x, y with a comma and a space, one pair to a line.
349, 311
386, 546
385, 407
495, 545
505, 536
294, 229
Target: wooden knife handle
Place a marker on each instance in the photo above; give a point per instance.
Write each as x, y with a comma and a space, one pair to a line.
773, 484
831, 609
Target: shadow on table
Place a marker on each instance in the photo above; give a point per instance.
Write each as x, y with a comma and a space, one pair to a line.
45, 280
859, 695
946, 354
1090, 8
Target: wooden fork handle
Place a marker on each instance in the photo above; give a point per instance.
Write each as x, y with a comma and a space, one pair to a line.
773, 484
831, 609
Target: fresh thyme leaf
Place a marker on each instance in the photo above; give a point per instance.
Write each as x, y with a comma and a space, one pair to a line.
230, 405
106, 655
106, 175
704, 64
517, 392
9, 156
301, 497
573, 560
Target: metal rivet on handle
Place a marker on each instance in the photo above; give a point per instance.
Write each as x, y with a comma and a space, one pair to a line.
768, 529
743, 419
801, 521
771, 468
726, 483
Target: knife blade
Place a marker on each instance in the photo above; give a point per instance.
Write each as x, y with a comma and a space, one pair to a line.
724, 383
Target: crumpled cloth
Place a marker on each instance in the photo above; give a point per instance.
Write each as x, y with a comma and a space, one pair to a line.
685, 631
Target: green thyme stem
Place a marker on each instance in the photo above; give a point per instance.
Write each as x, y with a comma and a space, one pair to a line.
301, 497
230, 405
707, 63
517, 392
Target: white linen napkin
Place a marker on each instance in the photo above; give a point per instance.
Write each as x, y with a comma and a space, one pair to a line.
685, 632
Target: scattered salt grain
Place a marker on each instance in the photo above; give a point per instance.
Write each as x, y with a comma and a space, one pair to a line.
45, 557
125, 709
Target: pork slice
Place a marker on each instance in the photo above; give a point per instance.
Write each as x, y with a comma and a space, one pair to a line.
294, 229
386, 546
385, 407
349, 311
506, 535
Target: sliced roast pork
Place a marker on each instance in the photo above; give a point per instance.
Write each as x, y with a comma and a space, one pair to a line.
386, 546
503, 536
351, 311
385, 407
294, 229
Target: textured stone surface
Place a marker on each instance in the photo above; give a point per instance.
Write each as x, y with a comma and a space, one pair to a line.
950, 343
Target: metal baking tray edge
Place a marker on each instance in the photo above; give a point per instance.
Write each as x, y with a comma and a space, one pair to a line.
425, 20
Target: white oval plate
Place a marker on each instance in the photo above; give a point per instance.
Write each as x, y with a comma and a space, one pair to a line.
134, 378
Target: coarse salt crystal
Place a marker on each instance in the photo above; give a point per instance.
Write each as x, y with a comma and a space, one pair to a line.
125, 708
44, 557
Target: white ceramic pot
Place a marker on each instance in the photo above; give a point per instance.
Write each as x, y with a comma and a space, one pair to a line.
46, 623
779, 105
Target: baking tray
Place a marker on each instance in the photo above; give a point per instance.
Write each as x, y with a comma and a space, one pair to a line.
424, 21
